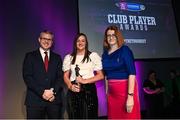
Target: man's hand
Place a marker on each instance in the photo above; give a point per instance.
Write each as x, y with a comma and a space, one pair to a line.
52, 98
48, 93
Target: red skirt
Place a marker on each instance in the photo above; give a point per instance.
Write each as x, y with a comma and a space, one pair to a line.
117, 96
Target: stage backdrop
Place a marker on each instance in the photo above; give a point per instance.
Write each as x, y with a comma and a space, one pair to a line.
148, 26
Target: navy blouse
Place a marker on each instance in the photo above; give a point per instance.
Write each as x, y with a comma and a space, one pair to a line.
119, 64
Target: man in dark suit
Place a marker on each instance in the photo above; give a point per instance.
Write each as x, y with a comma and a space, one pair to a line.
43, 76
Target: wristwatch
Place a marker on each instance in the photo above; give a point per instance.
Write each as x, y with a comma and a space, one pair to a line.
131, 94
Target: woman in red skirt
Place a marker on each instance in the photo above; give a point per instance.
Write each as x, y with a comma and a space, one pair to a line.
119, 69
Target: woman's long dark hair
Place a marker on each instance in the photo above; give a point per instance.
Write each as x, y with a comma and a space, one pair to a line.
74, 53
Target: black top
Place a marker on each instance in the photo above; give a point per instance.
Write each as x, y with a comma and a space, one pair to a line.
153, 86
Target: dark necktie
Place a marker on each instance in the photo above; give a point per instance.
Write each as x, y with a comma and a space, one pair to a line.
46, 61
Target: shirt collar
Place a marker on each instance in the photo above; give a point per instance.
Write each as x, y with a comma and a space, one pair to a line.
42, 52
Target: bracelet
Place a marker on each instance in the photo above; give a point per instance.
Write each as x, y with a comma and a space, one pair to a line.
131, 94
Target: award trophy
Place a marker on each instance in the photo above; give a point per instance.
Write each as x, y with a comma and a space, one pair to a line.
77, 74
77, 70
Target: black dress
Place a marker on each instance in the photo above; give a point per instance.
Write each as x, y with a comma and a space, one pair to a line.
83, 105
154, 102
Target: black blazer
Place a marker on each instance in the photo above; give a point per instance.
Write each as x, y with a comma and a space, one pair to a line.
37, 79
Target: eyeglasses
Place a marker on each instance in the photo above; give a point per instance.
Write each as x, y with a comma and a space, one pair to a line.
111, 36
46, 39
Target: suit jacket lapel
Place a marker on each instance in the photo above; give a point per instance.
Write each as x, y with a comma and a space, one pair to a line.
39, 57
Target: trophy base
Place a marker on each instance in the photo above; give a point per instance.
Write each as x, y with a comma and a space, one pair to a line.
81, 86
